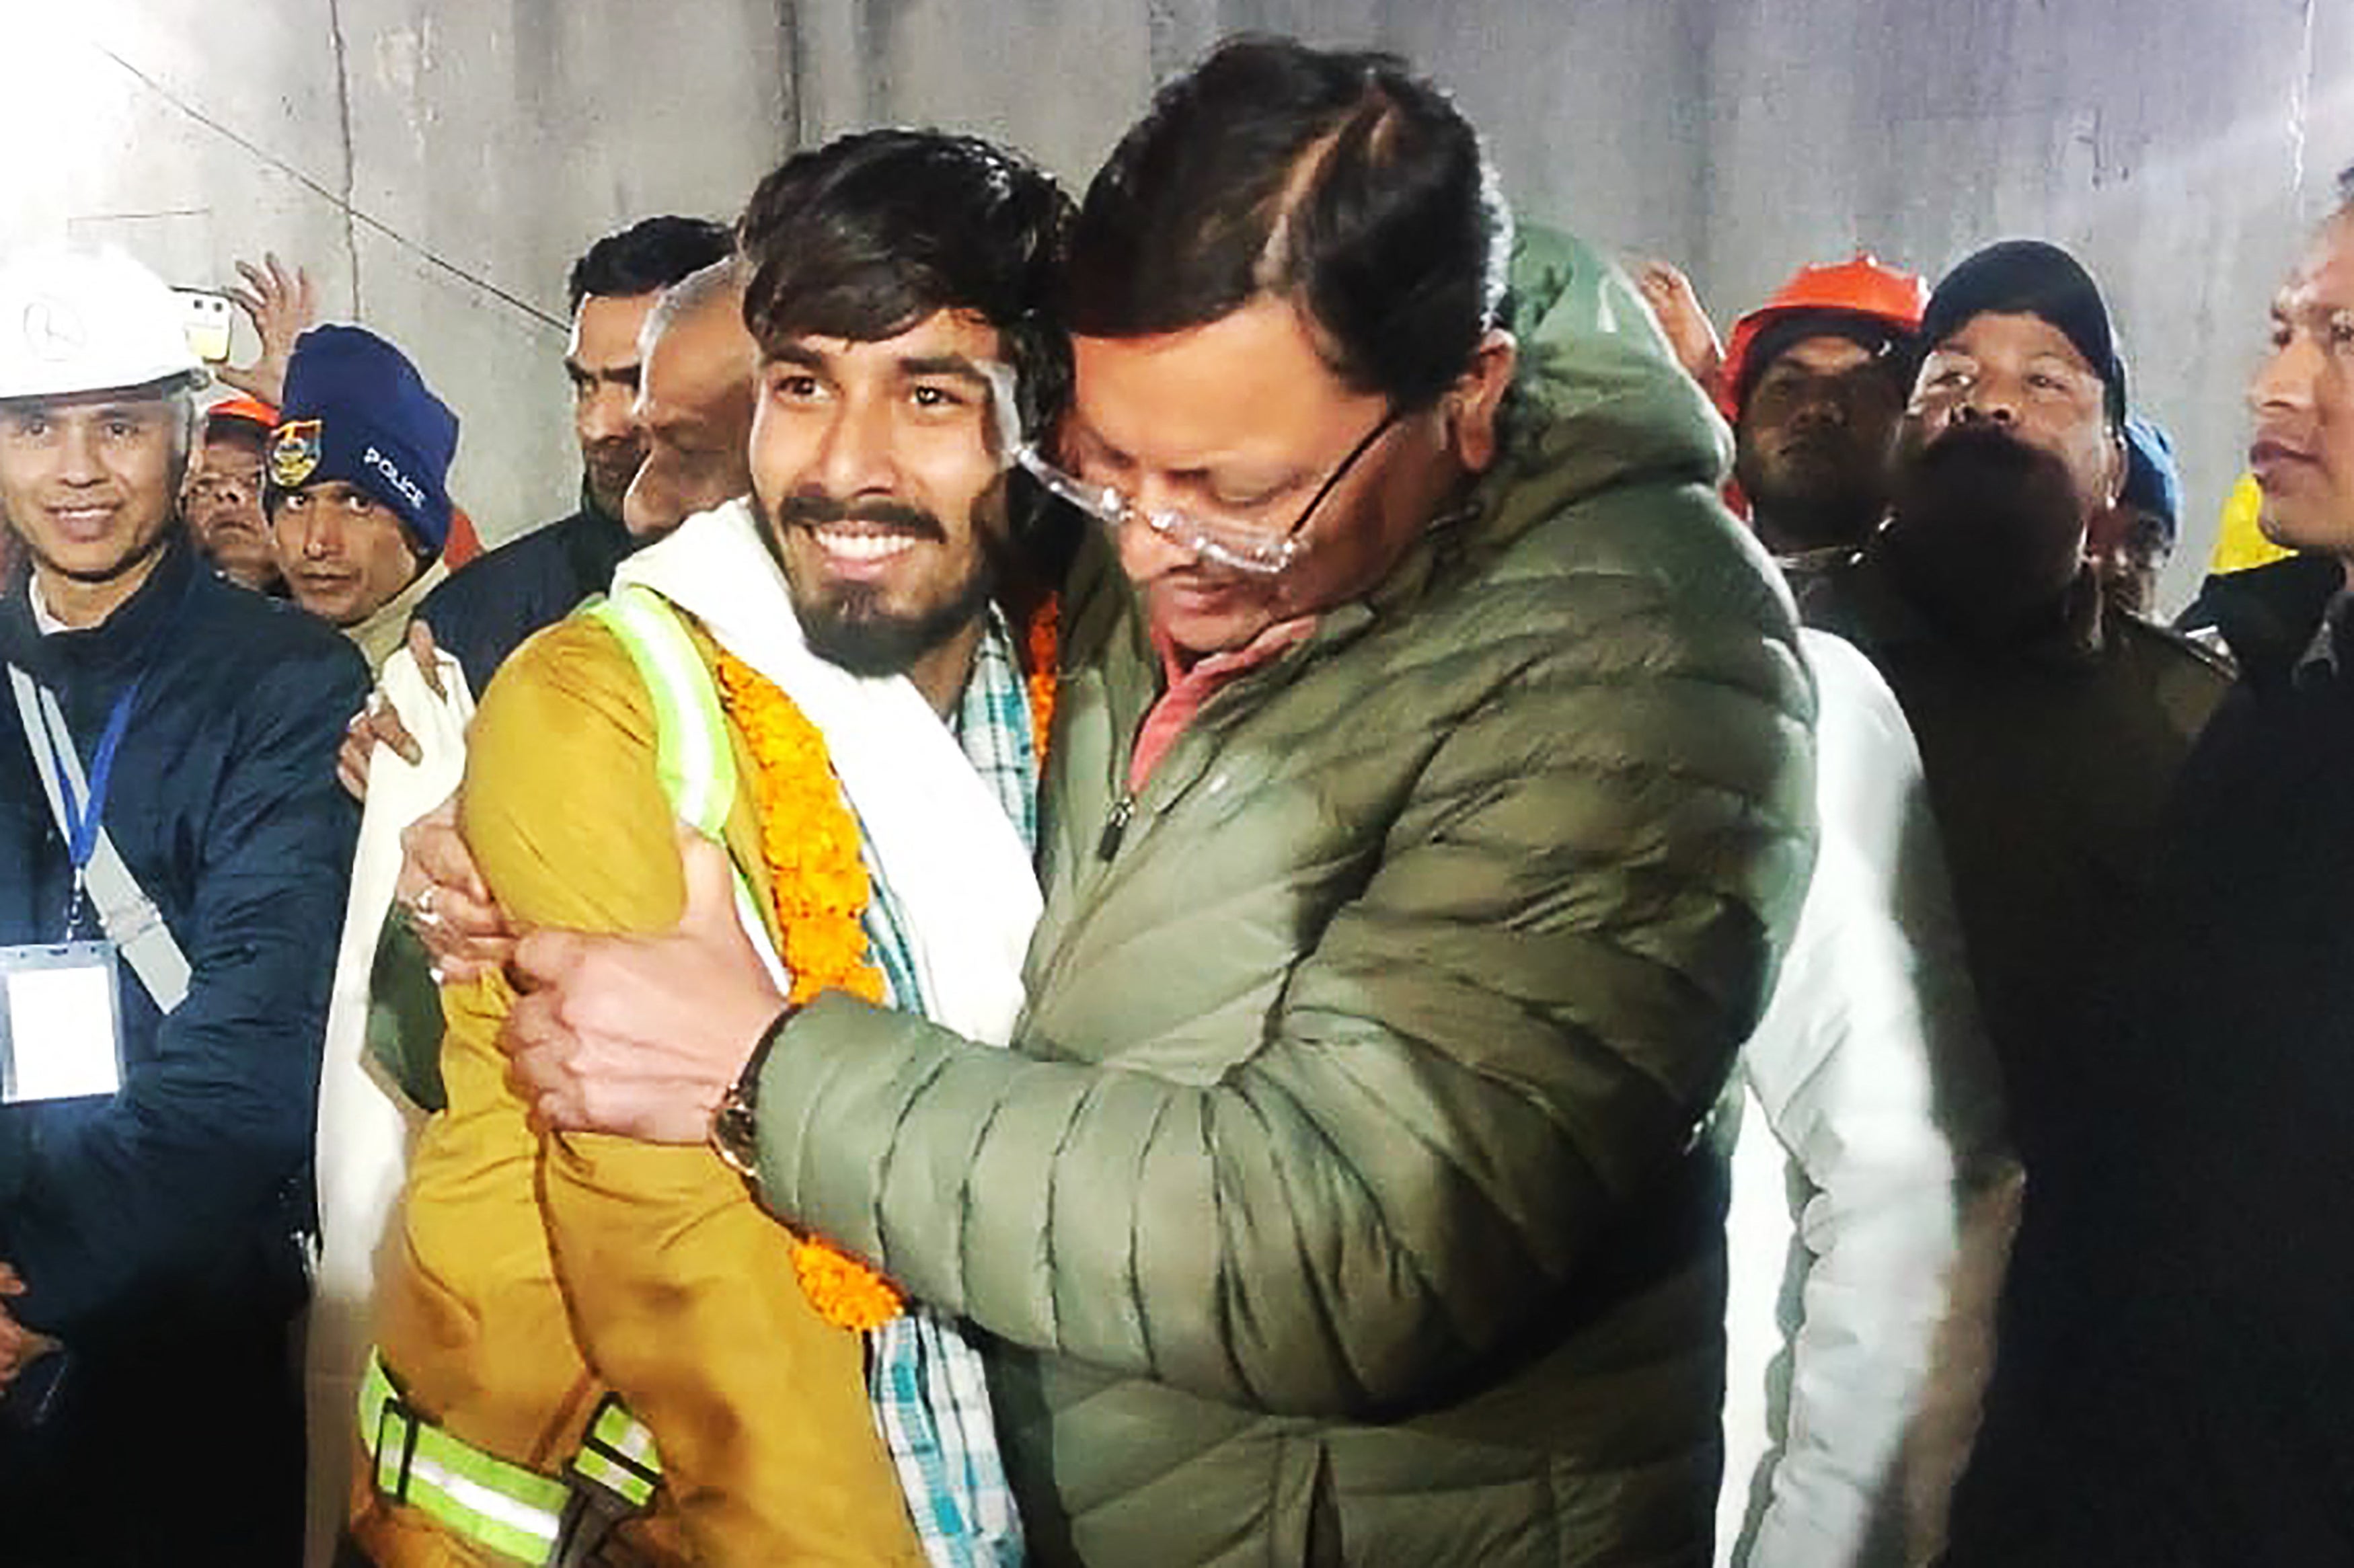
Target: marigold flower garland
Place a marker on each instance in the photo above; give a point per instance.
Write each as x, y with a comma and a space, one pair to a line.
819, 888
1043, 643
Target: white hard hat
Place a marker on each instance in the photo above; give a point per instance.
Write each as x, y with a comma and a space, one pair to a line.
89, 321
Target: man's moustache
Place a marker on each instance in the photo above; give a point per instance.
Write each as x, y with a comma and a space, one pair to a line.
1984, 523
1987, 432
1977, 455
810, 510
1816, 454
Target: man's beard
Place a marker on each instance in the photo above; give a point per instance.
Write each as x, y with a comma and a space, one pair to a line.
607, 469
1986, 531
1832, 495
846, 624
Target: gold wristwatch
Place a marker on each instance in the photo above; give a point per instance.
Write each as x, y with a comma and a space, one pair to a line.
735, 1126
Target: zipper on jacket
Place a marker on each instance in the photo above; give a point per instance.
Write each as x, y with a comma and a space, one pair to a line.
1116, 825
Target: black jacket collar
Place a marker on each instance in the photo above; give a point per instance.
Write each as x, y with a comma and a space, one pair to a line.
2070, 634
2272, 616
114, 644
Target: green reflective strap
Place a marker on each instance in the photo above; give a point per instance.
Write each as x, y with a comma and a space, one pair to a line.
618, 1454
477, 1510
478, 1496
692, 755
696, 765
619, 1479
625, 1434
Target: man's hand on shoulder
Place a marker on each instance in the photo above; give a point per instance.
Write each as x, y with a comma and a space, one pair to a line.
642, 1035
380, 724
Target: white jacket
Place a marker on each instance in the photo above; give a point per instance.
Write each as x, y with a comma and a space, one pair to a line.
1872, 1121
365, 1125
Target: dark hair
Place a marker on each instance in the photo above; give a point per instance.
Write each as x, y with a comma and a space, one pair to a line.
651, 253
867, 235
1341, 182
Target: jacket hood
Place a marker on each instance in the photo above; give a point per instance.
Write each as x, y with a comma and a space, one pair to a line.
1598, 399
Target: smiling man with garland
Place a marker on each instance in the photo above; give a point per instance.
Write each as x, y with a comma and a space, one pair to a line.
587, 1344
1428, 807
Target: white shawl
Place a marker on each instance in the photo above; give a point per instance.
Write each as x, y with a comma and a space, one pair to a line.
957, 868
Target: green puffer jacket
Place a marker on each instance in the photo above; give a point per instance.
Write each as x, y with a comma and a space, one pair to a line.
1345, 1196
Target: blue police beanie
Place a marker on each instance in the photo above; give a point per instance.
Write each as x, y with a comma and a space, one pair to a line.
2153, 482
356, 410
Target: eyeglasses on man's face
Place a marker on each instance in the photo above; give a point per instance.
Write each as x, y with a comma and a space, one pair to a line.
1252, 545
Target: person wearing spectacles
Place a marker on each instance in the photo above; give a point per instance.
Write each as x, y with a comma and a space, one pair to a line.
222, 502
1427, 809
1223, 538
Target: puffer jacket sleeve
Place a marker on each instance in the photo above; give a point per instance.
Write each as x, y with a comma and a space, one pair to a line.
1483, 1062
1873, 1071
218, 1120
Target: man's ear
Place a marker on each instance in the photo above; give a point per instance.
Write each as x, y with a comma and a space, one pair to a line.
1474, 401
2113, 477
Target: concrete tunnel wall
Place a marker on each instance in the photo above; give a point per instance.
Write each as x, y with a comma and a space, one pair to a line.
439, 162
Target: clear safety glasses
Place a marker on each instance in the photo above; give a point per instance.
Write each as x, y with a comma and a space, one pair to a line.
1232, 541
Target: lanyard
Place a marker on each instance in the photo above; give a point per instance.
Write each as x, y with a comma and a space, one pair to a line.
128, 915
82, 819
79, 805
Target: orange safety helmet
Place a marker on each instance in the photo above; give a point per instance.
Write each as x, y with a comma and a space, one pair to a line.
1861, 286
246, 410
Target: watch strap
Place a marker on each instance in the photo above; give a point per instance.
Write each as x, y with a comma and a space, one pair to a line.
734, 1124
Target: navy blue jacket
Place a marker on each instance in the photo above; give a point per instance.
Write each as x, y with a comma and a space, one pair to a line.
173, 1203
489, 606
2187, 1279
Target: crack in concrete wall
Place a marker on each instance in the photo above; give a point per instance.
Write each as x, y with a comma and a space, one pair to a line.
2300, 102
350, 151
1738, 137
353, 217
794, 56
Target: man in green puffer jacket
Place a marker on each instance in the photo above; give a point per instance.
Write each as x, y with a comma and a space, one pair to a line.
1416, 862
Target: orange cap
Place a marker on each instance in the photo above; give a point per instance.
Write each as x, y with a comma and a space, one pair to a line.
1861, 286
252, 410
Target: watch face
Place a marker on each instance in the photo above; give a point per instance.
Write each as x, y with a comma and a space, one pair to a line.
734, 1138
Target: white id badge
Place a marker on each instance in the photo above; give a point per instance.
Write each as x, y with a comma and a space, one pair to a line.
60, 1023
